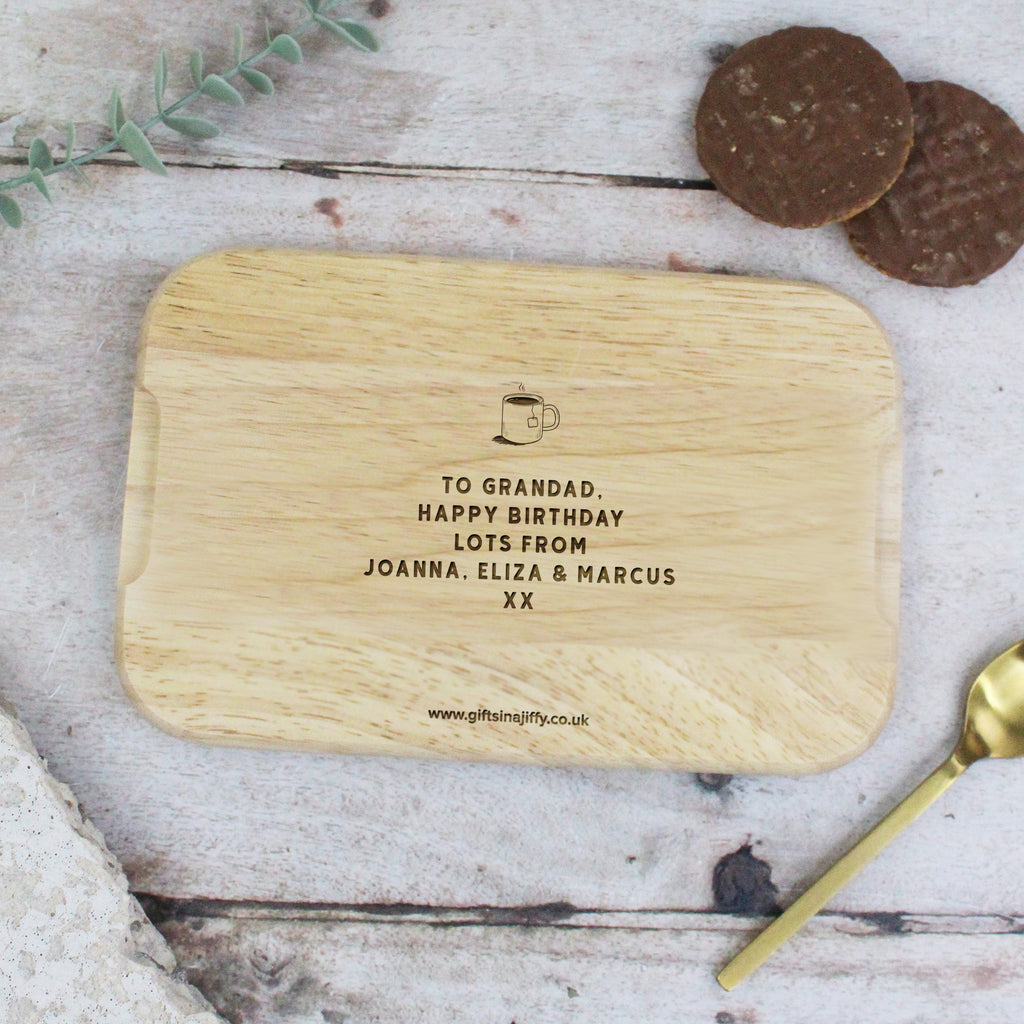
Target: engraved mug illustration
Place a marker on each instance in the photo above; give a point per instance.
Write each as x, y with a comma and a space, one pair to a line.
525, 417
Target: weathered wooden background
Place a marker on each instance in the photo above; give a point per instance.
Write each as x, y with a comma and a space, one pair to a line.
311, 888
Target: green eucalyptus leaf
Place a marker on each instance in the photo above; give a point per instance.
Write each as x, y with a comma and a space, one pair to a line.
193, 127
259, 81
115, 112
40, 182
287, 48
39, 155
350, 32
69, 140
239, 42
221, 89
160, 78
195, 67
134, 142
364, 38
10, 211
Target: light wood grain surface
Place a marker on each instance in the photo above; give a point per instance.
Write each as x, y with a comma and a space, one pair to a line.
324, 547
529, 134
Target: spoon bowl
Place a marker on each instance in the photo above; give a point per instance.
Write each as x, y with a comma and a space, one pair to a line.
994, 717
993, 727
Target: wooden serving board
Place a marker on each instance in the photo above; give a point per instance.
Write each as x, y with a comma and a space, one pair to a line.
578, 516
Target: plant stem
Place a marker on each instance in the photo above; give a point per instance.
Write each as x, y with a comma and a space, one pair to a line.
70, 162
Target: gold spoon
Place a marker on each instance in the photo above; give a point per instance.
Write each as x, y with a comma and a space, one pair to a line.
993, 727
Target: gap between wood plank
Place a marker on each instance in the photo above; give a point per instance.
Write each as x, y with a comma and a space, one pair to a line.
333, 171
160, 909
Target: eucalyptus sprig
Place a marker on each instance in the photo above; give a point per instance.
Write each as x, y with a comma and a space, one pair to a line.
132, 136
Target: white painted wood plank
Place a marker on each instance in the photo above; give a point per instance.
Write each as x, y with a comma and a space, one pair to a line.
263, 971
530, 90
190, 820
553, 86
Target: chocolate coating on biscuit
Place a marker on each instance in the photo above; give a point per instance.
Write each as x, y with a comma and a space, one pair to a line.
956, 213
804, 126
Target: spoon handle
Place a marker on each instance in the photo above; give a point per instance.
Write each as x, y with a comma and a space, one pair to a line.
804, 908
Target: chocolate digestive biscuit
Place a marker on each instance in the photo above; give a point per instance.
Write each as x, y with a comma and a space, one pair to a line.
956, 213
804, 127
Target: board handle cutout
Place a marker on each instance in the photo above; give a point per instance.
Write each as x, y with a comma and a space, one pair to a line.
140, 488
888, 527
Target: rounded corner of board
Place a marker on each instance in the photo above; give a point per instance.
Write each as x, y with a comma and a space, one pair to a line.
205, 260
860, 744
150, 713
212, 262
862, 312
